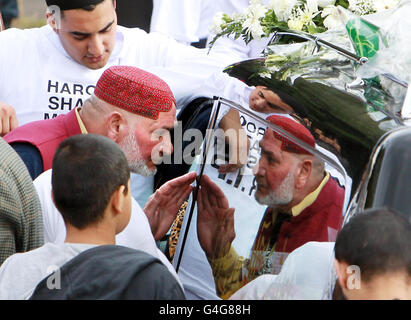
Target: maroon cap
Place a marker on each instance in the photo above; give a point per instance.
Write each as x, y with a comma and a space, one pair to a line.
294, 128
135, 90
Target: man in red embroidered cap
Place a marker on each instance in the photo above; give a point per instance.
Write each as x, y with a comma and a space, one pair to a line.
129, 106
133, 108
304, 204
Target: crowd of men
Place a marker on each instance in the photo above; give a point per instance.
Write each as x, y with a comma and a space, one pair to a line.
83, 113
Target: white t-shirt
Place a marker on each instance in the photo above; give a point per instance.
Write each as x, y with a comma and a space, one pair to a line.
307, 274
22, 272
137, 235
40, 80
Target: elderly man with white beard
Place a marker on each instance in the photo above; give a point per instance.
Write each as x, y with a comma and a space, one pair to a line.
304, 204
135, 109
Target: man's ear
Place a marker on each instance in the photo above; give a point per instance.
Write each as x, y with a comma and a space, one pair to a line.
341, 270
54, 16
116, 126
115, 4
51, 21
118, 198
303, 173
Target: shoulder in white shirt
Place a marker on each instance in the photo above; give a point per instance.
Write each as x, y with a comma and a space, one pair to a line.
22, 272
137, 235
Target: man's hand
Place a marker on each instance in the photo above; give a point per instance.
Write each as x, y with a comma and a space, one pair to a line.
162, 207
8, 119
237, 140
215, 220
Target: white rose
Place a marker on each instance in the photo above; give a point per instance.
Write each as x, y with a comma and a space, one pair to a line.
282, 8
256, 10
325, 3
312, 5
218, 21
253, 27
295, 24
332, 19
332, 22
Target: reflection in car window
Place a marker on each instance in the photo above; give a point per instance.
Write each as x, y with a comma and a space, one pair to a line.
282, 198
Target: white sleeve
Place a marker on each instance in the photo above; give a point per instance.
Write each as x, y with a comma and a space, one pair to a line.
163, 51
256, 289
222, 85
137, 235
53, 223
6, 280
233, 6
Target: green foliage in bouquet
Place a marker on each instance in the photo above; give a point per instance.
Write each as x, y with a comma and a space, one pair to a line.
309, 16
260, 21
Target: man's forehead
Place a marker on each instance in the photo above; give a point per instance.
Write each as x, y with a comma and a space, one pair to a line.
269, 139
270, 144
166, 120
84, 21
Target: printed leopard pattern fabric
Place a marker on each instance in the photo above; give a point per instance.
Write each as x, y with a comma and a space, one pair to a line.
175, 229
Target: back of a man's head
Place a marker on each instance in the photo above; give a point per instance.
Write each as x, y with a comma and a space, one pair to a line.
378, 241
87, 170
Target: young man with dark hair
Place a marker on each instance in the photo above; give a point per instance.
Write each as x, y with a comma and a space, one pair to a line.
90, 186
67, 57
373, 256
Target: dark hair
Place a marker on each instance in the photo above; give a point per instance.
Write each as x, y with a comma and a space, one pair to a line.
377, 241
89, 7
87, 169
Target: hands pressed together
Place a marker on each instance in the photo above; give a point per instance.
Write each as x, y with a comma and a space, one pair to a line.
162, 207
215, 220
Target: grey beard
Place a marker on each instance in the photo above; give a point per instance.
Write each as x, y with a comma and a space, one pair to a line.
282, 195
136, 164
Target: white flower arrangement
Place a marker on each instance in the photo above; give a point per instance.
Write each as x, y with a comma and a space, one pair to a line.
312, 16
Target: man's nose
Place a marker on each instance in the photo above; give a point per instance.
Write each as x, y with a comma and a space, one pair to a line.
96, 46
167, 146
259, 169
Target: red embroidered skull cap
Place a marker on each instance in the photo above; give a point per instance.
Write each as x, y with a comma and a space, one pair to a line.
135, 90
294, 128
